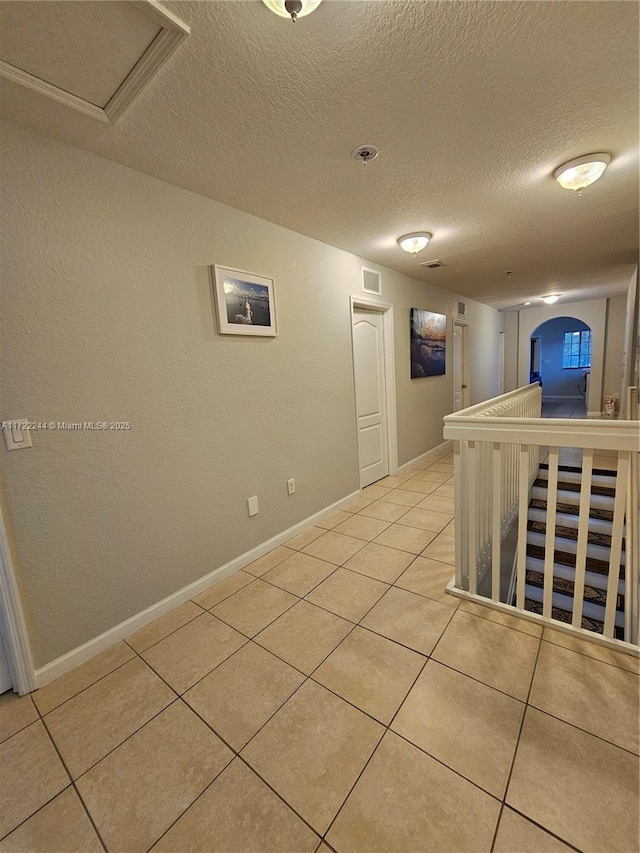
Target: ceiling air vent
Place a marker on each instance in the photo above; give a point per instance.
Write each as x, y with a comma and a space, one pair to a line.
432, 265
371, 281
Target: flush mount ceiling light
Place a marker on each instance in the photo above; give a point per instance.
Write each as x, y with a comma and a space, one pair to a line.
553, 297
579, 173
415, 242
293, 9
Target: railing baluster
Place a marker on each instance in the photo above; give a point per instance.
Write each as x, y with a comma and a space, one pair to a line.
624, 458
523, 518
496, 522
583, 530
549, 542
460, 474
472, 504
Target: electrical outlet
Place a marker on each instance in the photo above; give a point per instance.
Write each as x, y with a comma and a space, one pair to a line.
252, 505
291, 486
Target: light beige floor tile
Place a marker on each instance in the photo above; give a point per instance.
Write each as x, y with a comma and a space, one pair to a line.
516, 833
419, 487
16, 713
371, 672
224, 588
62, 826
439, 503
97, 720
446, 490
49, 697
379, 562
466, 725
426, 519
394, 481
334, 547
384, 510
445, 467
358, 504
312, 751
497, 656
602, 699
584, 647
450, 529
162, 627
300, 573
191, 652
375, 491
240, 695
238, 813
31, 775
506, 619
429, 578
304, 635
442, 548
270, 560
254, 607
431, 476
141, 788
412, 620
348, 594
405, 538
402, 498
577, 786
331, 521
362, 527
406, 802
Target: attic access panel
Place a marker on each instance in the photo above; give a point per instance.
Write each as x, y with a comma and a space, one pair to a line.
95, 56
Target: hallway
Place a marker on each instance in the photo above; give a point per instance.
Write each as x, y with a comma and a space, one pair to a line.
332, 696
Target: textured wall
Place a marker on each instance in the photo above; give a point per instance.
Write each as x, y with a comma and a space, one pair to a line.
107, 315
616, 319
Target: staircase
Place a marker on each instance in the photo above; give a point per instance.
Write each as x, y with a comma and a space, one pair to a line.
564, 558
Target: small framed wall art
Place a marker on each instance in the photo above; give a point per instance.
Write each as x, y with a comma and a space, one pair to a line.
245, 303
428, 343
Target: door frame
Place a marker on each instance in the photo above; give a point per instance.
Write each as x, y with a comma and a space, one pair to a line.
465, 327
386, 309
14, 635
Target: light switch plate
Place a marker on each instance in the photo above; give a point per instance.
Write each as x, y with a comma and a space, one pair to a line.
16, 435
252, 505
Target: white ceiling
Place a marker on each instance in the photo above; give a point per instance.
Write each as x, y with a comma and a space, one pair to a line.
472, 105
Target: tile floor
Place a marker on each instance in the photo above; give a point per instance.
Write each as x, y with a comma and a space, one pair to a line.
331, 696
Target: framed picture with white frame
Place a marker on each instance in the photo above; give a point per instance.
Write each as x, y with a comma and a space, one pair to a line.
245, 302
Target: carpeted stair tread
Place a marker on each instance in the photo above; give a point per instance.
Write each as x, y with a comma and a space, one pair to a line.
538, 512
564, 603
596, 551
571, 533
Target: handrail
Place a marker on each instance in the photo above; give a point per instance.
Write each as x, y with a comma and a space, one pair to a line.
496, 463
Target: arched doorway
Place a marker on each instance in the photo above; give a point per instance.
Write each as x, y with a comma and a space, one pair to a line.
560, 358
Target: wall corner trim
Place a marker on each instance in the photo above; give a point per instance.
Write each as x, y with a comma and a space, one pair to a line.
86, 651
430, 455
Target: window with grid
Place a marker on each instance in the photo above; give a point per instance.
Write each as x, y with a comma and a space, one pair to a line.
576, 351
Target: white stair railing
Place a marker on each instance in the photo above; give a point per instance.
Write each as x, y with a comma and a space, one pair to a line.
497, 446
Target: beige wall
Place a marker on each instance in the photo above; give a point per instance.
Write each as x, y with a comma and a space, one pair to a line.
107, 315
612, 372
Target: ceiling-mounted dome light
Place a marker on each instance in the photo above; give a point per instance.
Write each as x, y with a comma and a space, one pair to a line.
293, 9
415, 242
551, 299
579, 173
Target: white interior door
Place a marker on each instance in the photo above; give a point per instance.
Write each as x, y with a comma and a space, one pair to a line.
371, 409
460, 366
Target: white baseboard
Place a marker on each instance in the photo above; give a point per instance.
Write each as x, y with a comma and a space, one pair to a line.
87, 650
560, 398
430, 455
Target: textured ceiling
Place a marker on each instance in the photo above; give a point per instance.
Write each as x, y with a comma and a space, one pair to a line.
472, 105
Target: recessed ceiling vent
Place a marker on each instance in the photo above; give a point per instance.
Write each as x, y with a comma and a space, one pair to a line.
371, 281
432, 265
